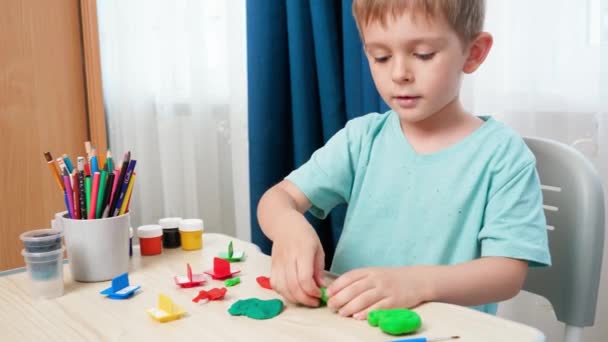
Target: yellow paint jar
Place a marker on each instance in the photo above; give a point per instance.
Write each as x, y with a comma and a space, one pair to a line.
191, 234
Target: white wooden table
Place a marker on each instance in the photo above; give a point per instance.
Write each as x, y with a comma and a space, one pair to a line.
85, 315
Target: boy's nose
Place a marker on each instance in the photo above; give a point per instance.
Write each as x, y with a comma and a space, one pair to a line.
401, 73
404, 77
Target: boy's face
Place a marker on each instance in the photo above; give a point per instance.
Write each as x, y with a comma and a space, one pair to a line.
416, 64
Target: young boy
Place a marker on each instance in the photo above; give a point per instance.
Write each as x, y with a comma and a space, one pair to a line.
442, 205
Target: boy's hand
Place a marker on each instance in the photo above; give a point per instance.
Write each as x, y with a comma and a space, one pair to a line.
359, 291
297, 262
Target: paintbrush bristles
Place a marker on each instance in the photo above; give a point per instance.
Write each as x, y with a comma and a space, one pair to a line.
48, 156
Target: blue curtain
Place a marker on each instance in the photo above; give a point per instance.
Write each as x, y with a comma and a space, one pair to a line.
307, 76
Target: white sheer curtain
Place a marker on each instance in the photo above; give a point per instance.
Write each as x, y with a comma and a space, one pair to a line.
547, 76
174, 76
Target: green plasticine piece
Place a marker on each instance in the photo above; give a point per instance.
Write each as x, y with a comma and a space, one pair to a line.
232, 281
238, 256
395, 321
256, 308
230, 255
324, 297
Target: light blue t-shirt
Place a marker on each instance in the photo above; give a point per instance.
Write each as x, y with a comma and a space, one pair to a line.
479, 197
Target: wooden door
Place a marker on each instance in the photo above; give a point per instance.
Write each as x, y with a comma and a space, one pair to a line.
50, 100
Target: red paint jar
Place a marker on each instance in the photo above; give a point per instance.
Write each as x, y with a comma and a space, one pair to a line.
150, 239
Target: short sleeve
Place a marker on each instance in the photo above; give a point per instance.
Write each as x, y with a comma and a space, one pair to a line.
327, 177
514, 222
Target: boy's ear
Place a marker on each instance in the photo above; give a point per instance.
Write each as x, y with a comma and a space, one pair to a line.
477, 52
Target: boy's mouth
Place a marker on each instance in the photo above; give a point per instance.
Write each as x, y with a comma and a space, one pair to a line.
407, 101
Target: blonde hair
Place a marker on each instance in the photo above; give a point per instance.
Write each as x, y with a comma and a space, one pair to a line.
464, 16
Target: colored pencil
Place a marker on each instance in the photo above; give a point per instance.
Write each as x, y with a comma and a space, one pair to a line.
61, 165
91, 192
114, 187
83, 201
68, 163
94, 162
125, 186
69, 194
87, 191
94, 191
67, 203
121, 179
106, 211
76, 189
125, 203
129, 199
100, 195
101, 161
109, 162
107, 192
51, 164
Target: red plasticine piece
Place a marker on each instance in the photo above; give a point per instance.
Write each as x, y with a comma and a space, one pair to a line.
202, 295
264, 282
221, 269
191, 280
213, 294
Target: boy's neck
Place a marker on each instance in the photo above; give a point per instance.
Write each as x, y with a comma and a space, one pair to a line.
442, 129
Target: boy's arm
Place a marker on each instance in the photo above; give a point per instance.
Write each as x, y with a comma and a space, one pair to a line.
282, 199
318, 185
477, 282
297, 255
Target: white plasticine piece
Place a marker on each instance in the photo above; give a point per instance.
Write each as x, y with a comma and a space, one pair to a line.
158, 313
183, 279
195, 278
127, 290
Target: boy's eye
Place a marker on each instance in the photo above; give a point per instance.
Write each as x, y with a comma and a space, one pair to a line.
424, 56
381, 59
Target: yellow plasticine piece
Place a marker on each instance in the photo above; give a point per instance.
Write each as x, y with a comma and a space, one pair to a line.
166, 310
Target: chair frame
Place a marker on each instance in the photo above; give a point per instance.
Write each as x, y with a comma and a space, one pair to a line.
574, 207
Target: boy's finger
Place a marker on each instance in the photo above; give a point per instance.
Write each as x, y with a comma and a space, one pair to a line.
360, 302
296, 291
382, 304
285, 291
318, 269
278, 281
306, 281
350, 293
343, 281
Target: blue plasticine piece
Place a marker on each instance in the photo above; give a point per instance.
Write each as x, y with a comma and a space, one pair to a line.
120, 288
